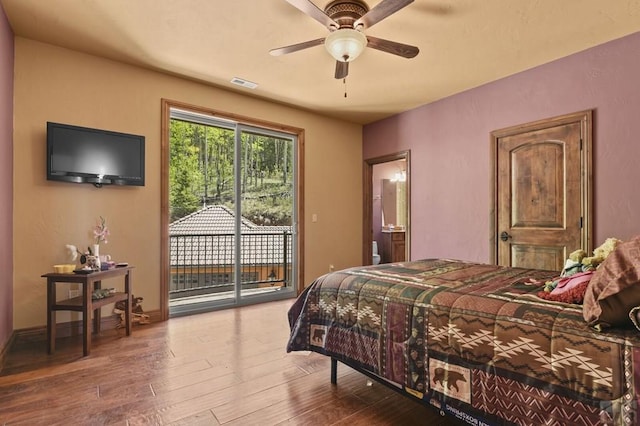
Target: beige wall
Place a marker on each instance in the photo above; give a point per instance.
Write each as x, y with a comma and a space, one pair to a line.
54, 84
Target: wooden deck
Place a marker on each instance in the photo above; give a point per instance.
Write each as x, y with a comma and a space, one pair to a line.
220, 368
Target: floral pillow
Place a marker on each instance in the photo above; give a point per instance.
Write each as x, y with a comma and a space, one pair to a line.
615, 287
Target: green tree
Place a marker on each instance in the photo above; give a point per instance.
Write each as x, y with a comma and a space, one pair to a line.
202, 172
183, 171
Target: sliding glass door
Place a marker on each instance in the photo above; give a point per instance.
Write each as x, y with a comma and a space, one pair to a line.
232, 209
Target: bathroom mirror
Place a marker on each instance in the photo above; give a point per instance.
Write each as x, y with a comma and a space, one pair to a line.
394, 203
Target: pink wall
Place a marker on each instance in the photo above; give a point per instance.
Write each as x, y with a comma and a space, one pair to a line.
449, 143
6, 180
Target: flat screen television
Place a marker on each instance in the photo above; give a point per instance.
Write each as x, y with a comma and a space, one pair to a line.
100, 157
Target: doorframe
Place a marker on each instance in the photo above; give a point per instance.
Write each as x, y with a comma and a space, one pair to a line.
298, 231
367, 190
585, 118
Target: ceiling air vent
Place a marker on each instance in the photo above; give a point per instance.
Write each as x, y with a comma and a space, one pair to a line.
244, 83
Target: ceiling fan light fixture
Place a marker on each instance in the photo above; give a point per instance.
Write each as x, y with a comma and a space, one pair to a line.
345, 44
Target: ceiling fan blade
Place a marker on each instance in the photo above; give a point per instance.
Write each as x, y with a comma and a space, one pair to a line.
342, 69
307, 7
393, 47
295, 47
380, 11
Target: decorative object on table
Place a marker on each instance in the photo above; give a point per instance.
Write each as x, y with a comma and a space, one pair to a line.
87, 258
73, 252
101, 293
139, 317
105, 265
92, 257
64, 269
93, 262
100, 234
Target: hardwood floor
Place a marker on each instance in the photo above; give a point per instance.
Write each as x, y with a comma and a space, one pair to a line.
220, 368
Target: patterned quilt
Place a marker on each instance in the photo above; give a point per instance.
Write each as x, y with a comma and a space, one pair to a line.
473, 340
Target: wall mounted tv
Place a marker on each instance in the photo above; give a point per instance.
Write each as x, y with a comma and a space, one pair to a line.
100, 157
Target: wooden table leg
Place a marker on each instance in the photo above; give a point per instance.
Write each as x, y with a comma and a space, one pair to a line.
51, 316
97, 313
86, 319
128, 288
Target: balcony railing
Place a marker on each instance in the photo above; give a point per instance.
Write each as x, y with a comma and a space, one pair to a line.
205, 264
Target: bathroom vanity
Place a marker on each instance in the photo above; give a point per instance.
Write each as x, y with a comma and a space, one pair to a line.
393, 245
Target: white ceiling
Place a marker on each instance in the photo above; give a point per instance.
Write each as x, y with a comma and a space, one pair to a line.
463, 44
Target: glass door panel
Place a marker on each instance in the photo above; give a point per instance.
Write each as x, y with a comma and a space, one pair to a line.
267, 206
201, 206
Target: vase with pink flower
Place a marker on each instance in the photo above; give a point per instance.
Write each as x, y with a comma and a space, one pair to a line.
100, 234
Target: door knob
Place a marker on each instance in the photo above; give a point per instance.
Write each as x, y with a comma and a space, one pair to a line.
505, 236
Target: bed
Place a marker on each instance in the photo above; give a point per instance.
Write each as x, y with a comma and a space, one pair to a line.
475, 341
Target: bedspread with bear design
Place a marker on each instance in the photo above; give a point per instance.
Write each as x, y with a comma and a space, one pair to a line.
472, 340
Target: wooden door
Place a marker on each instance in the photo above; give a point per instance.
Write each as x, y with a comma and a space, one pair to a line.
543, 173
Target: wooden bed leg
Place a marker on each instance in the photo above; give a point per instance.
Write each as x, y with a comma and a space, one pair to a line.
334, 371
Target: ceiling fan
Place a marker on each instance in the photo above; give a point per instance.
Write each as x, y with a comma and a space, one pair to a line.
346, 20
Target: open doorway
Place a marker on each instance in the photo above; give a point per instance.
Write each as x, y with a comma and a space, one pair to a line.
387, 201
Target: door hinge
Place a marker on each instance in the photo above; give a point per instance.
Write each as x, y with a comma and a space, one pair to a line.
580, 222
580, 144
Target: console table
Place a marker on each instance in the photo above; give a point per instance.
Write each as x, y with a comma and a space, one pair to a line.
84, 303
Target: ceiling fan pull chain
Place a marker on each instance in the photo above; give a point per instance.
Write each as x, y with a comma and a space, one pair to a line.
344, 81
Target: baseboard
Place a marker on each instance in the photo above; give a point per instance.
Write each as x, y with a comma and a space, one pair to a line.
5, 349
154, 316
72, 328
